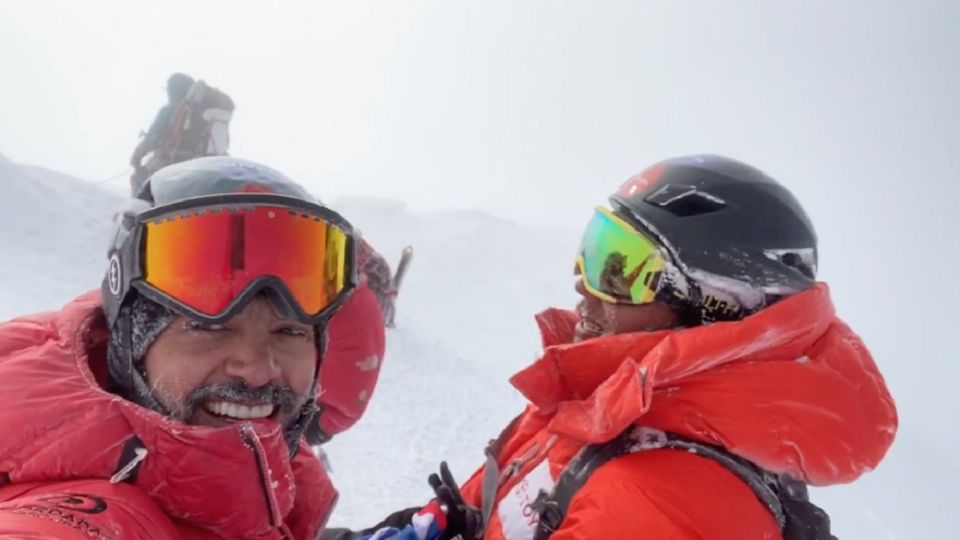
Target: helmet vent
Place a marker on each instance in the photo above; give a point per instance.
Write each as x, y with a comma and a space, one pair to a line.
685, 201
804, 260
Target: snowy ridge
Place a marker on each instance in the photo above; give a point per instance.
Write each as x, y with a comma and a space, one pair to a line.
465, 323
53, 234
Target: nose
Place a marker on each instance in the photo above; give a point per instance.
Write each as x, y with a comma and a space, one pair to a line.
253, 360
578, 286
589, 305
586, 296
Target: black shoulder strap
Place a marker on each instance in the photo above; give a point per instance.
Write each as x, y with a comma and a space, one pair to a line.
491, 470
552, 507
784, 497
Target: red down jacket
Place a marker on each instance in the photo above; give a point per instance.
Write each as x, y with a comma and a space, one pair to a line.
351, 366
356, 339
68, 452
791, 388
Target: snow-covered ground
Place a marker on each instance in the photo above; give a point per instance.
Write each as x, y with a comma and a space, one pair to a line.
54, 232
464, 324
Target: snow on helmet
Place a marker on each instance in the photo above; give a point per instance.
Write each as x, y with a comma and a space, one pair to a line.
734, 232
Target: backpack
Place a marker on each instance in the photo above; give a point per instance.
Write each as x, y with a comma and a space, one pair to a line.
784, 496
200, 124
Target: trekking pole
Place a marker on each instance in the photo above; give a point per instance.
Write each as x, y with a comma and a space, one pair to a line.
111, 178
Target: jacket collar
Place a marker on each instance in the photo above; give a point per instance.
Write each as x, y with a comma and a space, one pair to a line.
237, 481
754, 386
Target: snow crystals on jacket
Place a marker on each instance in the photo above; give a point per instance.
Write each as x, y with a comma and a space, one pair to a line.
79, 462
790, 388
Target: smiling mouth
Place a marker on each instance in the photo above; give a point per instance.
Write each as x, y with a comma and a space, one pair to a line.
590, 326
238, 411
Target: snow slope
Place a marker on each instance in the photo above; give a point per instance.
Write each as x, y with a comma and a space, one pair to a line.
464, 324
53, 236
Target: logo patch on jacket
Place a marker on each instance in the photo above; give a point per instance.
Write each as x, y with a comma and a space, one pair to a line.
67, 510
517, 518
88, 504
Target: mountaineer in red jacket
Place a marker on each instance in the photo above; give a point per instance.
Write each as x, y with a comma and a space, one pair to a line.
172, 403
703, 381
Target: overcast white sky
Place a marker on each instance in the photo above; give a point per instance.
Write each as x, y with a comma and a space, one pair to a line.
537, 110
526, 108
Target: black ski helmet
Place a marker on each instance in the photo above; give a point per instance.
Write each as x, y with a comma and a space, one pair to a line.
173, 186
725, 223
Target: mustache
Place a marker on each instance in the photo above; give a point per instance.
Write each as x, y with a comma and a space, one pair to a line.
238, 391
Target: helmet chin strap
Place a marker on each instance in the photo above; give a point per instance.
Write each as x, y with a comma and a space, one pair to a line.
293, 433
140, 391
128, 381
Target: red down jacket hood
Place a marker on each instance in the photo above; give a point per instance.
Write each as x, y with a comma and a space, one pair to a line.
58, 423
790, 388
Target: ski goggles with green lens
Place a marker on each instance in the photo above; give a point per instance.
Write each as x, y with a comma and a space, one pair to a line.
619, 263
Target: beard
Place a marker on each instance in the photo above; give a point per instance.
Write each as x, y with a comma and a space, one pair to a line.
282, 397
297, 410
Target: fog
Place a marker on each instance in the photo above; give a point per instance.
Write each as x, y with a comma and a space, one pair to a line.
536, 111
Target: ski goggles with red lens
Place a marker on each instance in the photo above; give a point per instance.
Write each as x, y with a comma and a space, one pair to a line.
208, 256
619, 263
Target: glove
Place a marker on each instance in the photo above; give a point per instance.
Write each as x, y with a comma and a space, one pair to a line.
427, 523
462, 519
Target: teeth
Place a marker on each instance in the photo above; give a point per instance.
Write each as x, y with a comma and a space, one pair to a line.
237, 410
590, 325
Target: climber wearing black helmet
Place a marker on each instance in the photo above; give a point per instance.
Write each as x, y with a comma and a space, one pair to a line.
703, 381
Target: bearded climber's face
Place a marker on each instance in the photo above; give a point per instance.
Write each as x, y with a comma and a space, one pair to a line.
256, 367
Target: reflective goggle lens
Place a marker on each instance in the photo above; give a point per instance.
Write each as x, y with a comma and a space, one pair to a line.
618, 263
207, 258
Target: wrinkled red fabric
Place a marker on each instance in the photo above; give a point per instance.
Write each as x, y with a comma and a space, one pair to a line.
60, 426
356, 339
790, 388
351, 366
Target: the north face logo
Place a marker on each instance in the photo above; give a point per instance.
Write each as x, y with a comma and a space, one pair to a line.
369, 363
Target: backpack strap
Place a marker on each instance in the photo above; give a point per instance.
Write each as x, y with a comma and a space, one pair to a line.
552, 507
784, 497
763, 483
491, 471
175, 132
